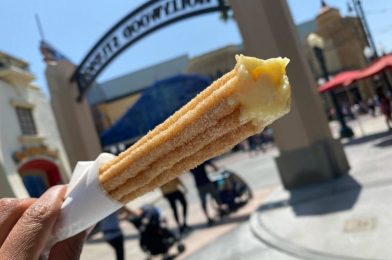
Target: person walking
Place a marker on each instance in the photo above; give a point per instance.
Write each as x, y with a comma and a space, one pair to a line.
205, 186
256, 143
113, 235
371, 106
174, 191
385, 107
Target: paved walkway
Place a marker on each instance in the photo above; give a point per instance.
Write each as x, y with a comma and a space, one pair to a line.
197, 239
349, 218
250, 168
337, 217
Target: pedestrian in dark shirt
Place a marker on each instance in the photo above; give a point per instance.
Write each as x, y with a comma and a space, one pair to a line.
205, 186
174, 191
385, 107
113, 235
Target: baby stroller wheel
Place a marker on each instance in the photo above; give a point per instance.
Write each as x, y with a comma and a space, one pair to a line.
180, 248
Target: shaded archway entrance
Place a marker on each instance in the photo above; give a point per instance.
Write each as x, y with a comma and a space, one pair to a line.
38, 175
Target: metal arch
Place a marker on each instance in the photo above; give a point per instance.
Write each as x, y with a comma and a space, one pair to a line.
79, 76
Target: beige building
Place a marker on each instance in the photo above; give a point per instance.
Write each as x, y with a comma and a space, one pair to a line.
345, 42
109, 100
32, 156
108, 112
214, 63
109, 107
73, 115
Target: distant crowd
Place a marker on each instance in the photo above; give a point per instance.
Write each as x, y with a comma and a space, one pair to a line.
380, 104
224, 193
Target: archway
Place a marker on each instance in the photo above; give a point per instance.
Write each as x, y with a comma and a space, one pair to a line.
67, 82
139, 23
38, 175
302, 136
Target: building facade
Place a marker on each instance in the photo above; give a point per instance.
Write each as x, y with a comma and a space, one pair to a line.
32, 156
344, 44
214, 63
109, 100
344, 41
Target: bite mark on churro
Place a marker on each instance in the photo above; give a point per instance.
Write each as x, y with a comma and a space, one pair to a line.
263, 89
239, 104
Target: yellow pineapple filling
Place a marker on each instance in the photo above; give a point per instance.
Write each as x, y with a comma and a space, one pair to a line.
263, 89
274, 69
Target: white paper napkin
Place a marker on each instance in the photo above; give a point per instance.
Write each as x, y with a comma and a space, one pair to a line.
85, 203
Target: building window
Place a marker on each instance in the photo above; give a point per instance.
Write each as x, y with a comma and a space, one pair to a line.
26, 121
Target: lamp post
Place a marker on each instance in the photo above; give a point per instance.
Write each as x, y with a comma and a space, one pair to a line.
317, 44
361, 14
370, 52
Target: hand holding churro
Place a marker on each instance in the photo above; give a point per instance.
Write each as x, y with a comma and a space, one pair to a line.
239, 104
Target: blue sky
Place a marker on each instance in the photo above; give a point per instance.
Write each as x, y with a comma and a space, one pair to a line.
74, 26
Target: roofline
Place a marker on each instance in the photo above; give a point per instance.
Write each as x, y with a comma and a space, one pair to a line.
144, 68
9, 56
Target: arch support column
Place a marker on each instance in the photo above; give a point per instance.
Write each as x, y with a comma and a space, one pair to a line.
308, 153
6, 190
74, 119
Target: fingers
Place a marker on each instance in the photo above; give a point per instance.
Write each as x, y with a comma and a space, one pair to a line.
10, 212
68, 249
29, 235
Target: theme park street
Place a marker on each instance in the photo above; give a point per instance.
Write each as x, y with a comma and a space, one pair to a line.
259, 172
339, 219
236, 232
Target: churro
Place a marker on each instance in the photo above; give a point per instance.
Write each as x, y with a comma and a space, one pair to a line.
239, 104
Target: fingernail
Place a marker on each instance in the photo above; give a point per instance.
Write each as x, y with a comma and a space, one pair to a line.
55, 191
28, 200
45, 206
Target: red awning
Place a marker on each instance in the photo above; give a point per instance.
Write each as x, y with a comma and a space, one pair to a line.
348, 77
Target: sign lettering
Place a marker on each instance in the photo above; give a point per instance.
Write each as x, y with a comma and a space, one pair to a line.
144, 20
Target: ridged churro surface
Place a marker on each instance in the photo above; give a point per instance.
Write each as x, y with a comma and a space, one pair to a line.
234, 107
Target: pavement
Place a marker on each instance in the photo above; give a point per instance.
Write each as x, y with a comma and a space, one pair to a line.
347, 218
258, 171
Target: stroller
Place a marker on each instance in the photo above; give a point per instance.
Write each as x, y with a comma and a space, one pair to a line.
233, 192
155, 237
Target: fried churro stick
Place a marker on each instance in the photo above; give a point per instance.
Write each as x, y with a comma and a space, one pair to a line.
241, 103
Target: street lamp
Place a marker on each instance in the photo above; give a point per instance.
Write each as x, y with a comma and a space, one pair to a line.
317, 44
372, 55
381, 49
369, 53
361, 14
